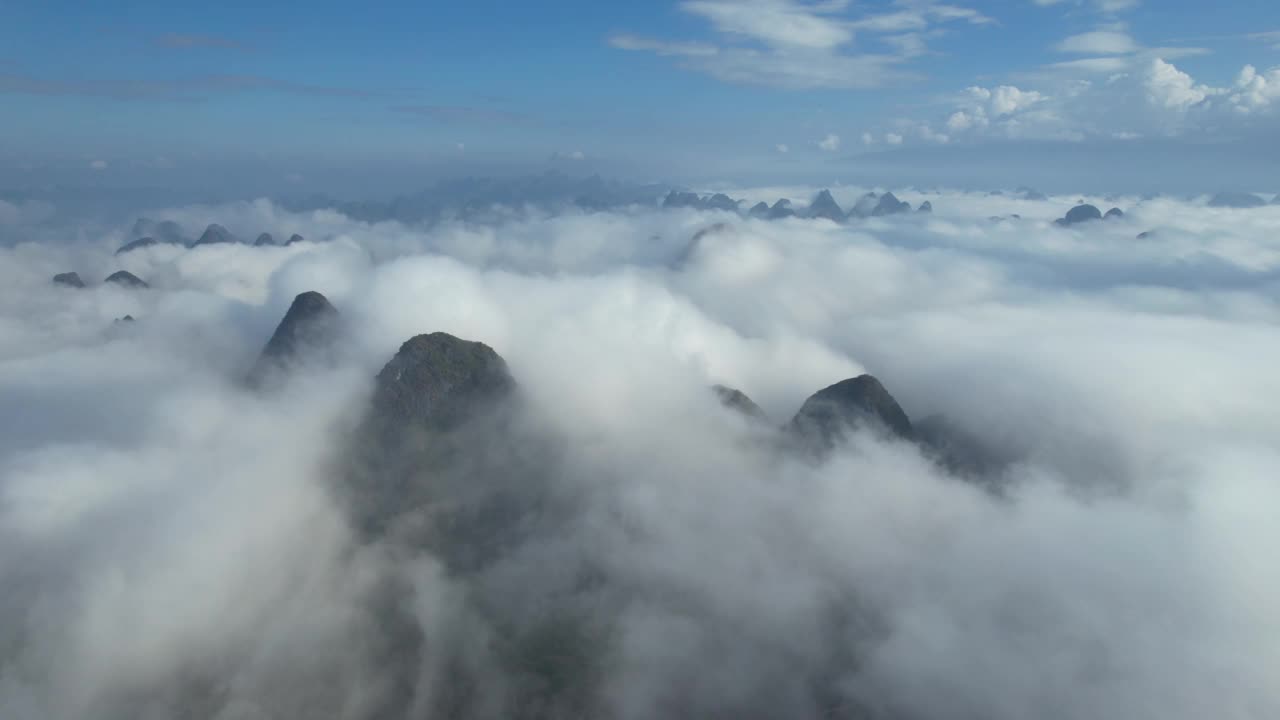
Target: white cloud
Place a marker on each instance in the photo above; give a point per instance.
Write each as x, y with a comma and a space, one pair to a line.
1104, 6
1255, 91
1098, 43
830, 143
960, 120
1006, 107
802, 45
98, 164
907, 44
1142, 95
928, 134
779, 23
1169, 87
167, 531
1007, 99
919, 17
794, 71
783, 148
893, 139
893, 22
1271, 37
1094, 65
867, 139
945, 12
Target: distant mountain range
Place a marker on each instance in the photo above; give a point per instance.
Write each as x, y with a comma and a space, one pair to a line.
476, 198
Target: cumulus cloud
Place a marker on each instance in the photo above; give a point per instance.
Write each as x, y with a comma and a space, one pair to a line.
1169, 87
830, 143
172, 545
1139, 95
1254, 91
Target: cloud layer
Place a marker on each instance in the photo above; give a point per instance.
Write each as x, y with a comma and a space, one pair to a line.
170, 545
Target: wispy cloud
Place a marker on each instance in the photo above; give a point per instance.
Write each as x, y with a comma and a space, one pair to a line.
1271, 37
803, 45
1098, 42
778, 23
1103, 6
1093, 65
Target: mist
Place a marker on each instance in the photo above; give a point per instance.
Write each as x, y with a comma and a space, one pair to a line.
175, 543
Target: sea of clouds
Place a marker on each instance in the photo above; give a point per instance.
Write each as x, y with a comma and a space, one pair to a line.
170, 545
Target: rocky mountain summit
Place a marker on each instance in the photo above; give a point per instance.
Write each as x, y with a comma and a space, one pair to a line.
889, 204
215, 234
781, 209
825, 206
126, 279
308, 328
68, 279
149, 233
138, 244
123, 278
1079, 214
718, 201
436, 382
854, 404
736, 400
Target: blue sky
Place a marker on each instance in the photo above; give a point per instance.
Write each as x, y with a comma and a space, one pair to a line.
658, 88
